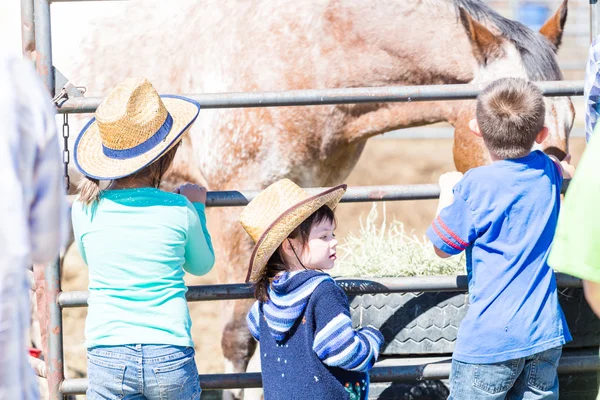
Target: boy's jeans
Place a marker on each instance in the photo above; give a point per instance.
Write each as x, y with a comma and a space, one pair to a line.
142, 371
528, 378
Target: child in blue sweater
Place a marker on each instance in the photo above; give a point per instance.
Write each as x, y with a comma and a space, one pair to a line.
309, 349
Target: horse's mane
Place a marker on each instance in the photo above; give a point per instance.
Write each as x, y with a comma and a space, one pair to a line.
537, 52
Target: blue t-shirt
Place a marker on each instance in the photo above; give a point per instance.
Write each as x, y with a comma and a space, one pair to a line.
504, 215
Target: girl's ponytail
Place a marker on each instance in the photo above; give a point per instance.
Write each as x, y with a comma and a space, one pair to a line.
261, 289
274, 266
89, 190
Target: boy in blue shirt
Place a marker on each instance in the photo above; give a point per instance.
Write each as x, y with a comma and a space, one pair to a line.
504, 216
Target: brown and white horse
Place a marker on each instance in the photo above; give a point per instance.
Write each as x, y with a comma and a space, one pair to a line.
242, 46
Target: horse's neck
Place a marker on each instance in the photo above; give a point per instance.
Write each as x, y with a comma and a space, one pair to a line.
431, 49
396, 116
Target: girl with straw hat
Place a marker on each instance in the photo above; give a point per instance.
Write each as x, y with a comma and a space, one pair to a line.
308, 347
138, 242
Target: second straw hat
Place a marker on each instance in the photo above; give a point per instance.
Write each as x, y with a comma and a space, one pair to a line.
272, 215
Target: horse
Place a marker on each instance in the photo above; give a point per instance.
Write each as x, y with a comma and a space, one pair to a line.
238, 46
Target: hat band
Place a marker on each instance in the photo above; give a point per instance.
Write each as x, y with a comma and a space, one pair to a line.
143, 147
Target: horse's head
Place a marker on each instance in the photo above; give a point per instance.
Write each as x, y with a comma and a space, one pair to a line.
503, 47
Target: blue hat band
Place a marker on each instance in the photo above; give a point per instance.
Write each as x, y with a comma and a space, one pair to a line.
143, 147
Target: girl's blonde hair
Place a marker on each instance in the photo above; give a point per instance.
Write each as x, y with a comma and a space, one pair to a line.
276, 263
89, 188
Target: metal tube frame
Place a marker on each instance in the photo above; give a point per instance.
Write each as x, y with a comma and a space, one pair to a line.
352, 287
55, 361
311, 97
36, 34
27, 29
433, 370
594, 19
43, 43
354, 194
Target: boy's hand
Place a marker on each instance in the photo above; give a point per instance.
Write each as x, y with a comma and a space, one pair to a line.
449, 179
568, 171
447, 182
194, 193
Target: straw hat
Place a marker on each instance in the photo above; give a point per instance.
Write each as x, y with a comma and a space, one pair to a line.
132, 128
272, 215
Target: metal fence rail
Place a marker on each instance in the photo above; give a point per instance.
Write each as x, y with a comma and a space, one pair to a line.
37, 36
354, 194
313, 97
434, 371
352, 287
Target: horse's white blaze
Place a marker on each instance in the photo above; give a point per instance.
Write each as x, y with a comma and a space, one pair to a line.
509, 66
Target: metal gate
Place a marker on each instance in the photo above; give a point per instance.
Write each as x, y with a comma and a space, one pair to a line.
36, 36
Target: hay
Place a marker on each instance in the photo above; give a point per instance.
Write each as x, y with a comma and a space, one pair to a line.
382, 249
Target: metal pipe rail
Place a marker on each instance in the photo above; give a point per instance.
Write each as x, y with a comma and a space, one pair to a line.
79, 1
27, 28
354, 194
437, 370
312, 97
42, 35
352, 287
37, 33
594, 19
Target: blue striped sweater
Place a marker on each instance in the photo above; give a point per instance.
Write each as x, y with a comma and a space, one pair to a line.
308, 346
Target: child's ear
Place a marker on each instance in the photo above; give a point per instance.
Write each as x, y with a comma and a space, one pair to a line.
542, 135
286, 247
474, 127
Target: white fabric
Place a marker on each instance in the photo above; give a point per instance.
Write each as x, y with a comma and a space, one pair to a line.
33, 212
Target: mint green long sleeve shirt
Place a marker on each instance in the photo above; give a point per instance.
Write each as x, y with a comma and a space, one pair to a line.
137, 243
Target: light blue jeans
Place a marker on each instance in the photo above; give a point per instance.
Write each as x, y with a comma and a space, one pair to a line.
142, 371
528, 378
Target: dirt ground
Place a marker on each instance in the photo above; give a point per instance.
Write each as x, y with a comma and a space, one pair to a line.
383, 162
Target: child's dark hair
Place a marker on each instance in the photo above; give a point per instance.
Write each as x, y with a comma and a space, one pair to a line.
275, 265
510, 114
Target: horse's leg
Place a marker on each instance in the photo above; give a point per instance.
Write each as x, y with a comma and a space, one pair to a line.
237, 344
254, 366
233, 247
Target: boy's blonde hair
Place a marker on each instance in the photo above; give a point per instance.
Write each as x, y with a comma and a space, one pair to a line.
510, 113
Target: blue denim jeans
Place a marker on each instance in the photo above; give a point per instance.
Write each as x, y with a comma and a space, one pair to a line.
528, 378
142, 371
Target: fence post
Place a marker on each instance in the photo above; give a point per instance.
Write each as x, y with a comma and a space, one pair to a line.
43, 43
27, 29
55, 331
594, 19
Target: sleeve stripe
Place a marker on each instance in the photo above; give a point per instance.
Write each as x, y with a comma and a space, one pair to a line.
445, 239
452, 234
338, 345
252, 319
340, 321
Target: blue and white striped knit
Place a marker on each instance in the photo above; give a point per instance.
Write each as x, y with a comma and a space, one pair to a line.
338, 345
287, 301
309, 349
